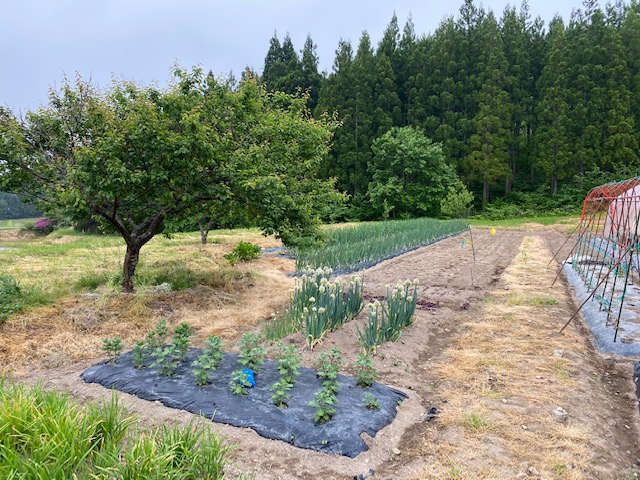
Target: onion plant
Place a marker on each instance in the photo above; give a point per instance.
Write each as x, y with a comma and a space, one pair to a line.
386, 320
365, 244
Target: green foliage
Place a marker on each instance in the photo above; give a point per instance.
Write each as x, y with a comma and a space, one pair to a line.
329, 364
139, 354
281, 395
208, 361
365, 371
158, 337
133, 157
14, 207
386, 320
365, 244
213, 344
409, 173
371, 401
181, 339
324, 403
239, 383
49, 436
243, 252
334, 304
166, 359
457, 203
113, 348
251, 351
11, 297
289, 362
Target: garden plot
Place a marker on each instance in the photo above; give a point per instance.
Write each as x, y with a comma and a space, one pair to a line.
294, 424
468, 335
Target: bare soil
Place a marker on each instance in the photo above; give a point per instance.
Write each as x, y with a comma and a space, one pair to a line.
484, 351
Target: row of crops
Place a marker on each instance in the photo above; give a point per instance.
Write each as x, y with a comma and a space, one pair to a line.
352, 248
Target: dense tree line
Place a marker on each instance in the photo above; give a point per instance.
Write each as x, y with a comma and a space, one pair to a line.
13, 206
517, 105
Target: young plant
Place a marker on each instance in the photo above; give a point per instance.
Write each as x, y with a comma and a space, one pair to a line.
212, 350
329, 365
113, 348
181, 339
138, 354
324, 404
167, 359
366, 373
158, 337
251, 351
203, 367
371, 401
239, 383
243, 252
288, 363
281, 395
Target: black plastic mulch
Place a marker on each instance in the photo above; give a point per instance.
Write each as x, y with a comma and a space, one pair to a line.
294, 425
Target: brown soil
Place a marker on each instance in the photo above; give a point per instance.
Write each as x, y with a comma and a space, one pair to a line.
483, 351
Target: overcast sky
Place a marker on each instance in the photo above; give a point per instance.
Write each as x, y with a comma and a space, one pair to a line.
44, 40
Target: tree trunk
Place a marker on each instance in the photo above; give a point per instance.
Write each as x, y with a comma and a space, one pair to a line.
554, 184
485, 191
129, 267
203, 233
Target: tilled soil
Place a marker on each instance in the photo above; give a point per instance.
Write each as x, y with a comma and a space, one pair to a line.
444, 420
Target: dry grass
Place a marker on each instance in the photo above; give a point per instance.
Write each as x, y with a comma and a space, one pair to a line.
501, 381
232, 300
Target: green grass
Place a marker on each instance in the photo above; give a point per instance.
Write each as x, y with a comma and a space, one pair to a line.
46, 435
362, 245
16, 223
571, 219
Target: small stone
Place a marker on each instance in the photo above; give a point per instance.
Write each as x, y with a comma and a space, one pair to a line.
560, 414
524, 427
533, 471
396, 451
558, 353
504, 400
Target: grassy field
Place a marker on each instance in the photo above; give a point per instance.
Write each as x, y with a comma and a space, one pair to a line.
16, 224
572, 219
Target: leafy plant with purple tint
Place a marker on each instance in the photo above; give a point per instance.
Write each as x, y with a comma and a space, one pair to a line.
43, 225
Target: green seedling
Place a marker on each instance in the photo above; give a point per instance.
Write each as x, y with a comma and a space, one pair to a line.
366, 373
289, 363
202, 368
212, 350
158, 337
239, 383
371, 401
138, 354
251, 351
181, 339
113, 348
281, 393
167, 359
324, 404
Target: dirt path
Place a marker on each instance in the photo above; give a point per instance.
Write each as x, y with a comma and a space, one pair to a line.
484, 356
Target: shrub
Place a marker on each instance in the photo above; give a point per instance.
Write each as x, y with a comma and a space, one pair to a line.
43, 225
11, 297
243, 252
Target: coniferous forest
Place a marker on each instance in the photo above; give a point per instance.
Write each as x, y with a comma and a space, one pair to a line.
529, 115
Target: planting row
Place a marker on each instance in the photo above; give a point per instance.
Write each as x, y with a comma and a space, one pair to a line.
156, 353
363, 245
318, 305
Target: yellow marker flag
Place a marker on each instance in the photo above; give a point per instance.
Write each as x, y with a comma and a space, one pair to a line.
492, 231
